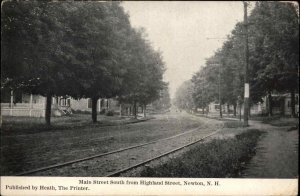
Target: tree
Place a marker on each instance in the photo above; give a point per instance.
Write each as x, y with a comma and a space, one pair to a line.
204, 91
274, 58
184, 96
275, 53
145, 67
32, 37
98, 32
65, 48
164, 101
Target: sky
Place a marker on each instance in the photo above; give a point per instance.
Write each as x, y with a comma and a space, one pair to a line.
185, 32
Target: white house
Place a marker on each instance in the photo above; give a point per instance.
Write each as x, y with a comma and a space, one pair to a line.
281, 104
19, 104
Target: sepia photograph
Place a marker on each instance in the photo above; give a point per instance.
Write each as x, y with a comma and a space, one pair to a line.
124, 97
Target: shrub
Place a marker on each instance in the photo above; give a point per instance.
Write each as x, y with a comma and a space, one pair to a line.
102, 111
110, 113
81, 112
217, 159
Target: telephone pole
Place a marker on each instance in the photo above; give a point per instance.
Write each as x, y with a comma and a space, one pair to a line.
220, 98
219, 64
246, 77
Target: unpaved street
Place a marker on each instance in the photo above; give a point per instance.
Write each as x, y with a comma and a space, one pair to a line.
42, 149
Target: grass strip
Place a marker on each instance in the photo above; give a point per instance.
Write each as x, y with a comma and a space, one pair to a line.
217, 159
9, 128
281, 122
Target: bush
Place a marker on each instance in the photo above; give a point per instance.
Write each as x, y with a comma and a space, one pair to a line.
102, 111
110, 113
216, 159
80, 112
233, 124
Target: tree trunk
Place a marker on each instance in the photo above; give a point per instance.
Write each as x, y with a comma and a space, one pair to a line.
48, 109
134, 110
293, 103
270, 108
202, 110
240, 111
94, 109
227, 109
249, 114
221, 115
234, 110
120, 110
145, 110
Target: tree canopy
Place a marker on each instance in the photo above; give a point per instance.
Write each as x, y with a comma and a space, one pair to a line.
77, 49
273, 58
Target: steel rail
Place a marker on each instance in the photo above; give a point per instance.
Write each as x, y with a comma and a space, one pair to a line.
117, 173
100, 155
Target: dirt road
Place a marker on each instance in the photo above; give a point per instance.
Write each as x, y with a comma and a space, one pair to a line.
30, 151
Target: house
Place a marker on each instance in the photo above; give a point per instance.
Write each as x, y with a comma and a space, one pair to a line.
255, 109
214, 109
16, 103
20, 104
281, 104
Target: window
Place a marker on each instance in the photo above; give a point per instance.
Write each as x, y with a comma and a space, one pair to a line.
289, 103
63, 102
89, 105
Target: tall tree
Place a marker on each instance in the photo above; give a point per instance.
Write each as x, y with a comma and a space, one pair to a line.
32, 33
275, 53
164, 101
145, 67
99, 33
184, 96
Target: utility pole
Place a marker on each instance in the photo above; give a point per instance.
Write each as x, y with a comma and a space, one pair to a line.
219, 64
246, 92
221, 116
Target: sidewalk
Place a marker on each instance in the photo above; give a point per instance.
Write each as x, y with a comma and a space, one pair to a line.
277, 153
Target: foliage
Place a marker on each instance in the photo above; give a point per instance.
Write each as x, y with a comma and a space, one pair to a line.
77, 49
164, 101
110, 113
217, 159
183, 96
273, 61
143, 83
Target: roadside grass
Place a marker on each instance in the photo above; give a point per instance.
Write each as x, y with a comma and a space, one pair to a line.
233, 124
275, 120
11, 125
217, 159
282, 121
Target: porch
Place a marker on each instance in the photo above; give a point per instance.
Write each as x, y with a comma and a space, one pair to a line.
23, 109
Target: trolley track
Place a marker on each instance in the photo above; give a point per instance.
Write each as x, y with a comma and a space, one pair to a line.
107, 156
102, 155
117, 173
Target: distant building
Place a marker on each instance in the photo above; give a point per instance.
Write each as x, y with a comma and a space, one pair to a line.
214, 108
281, 105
